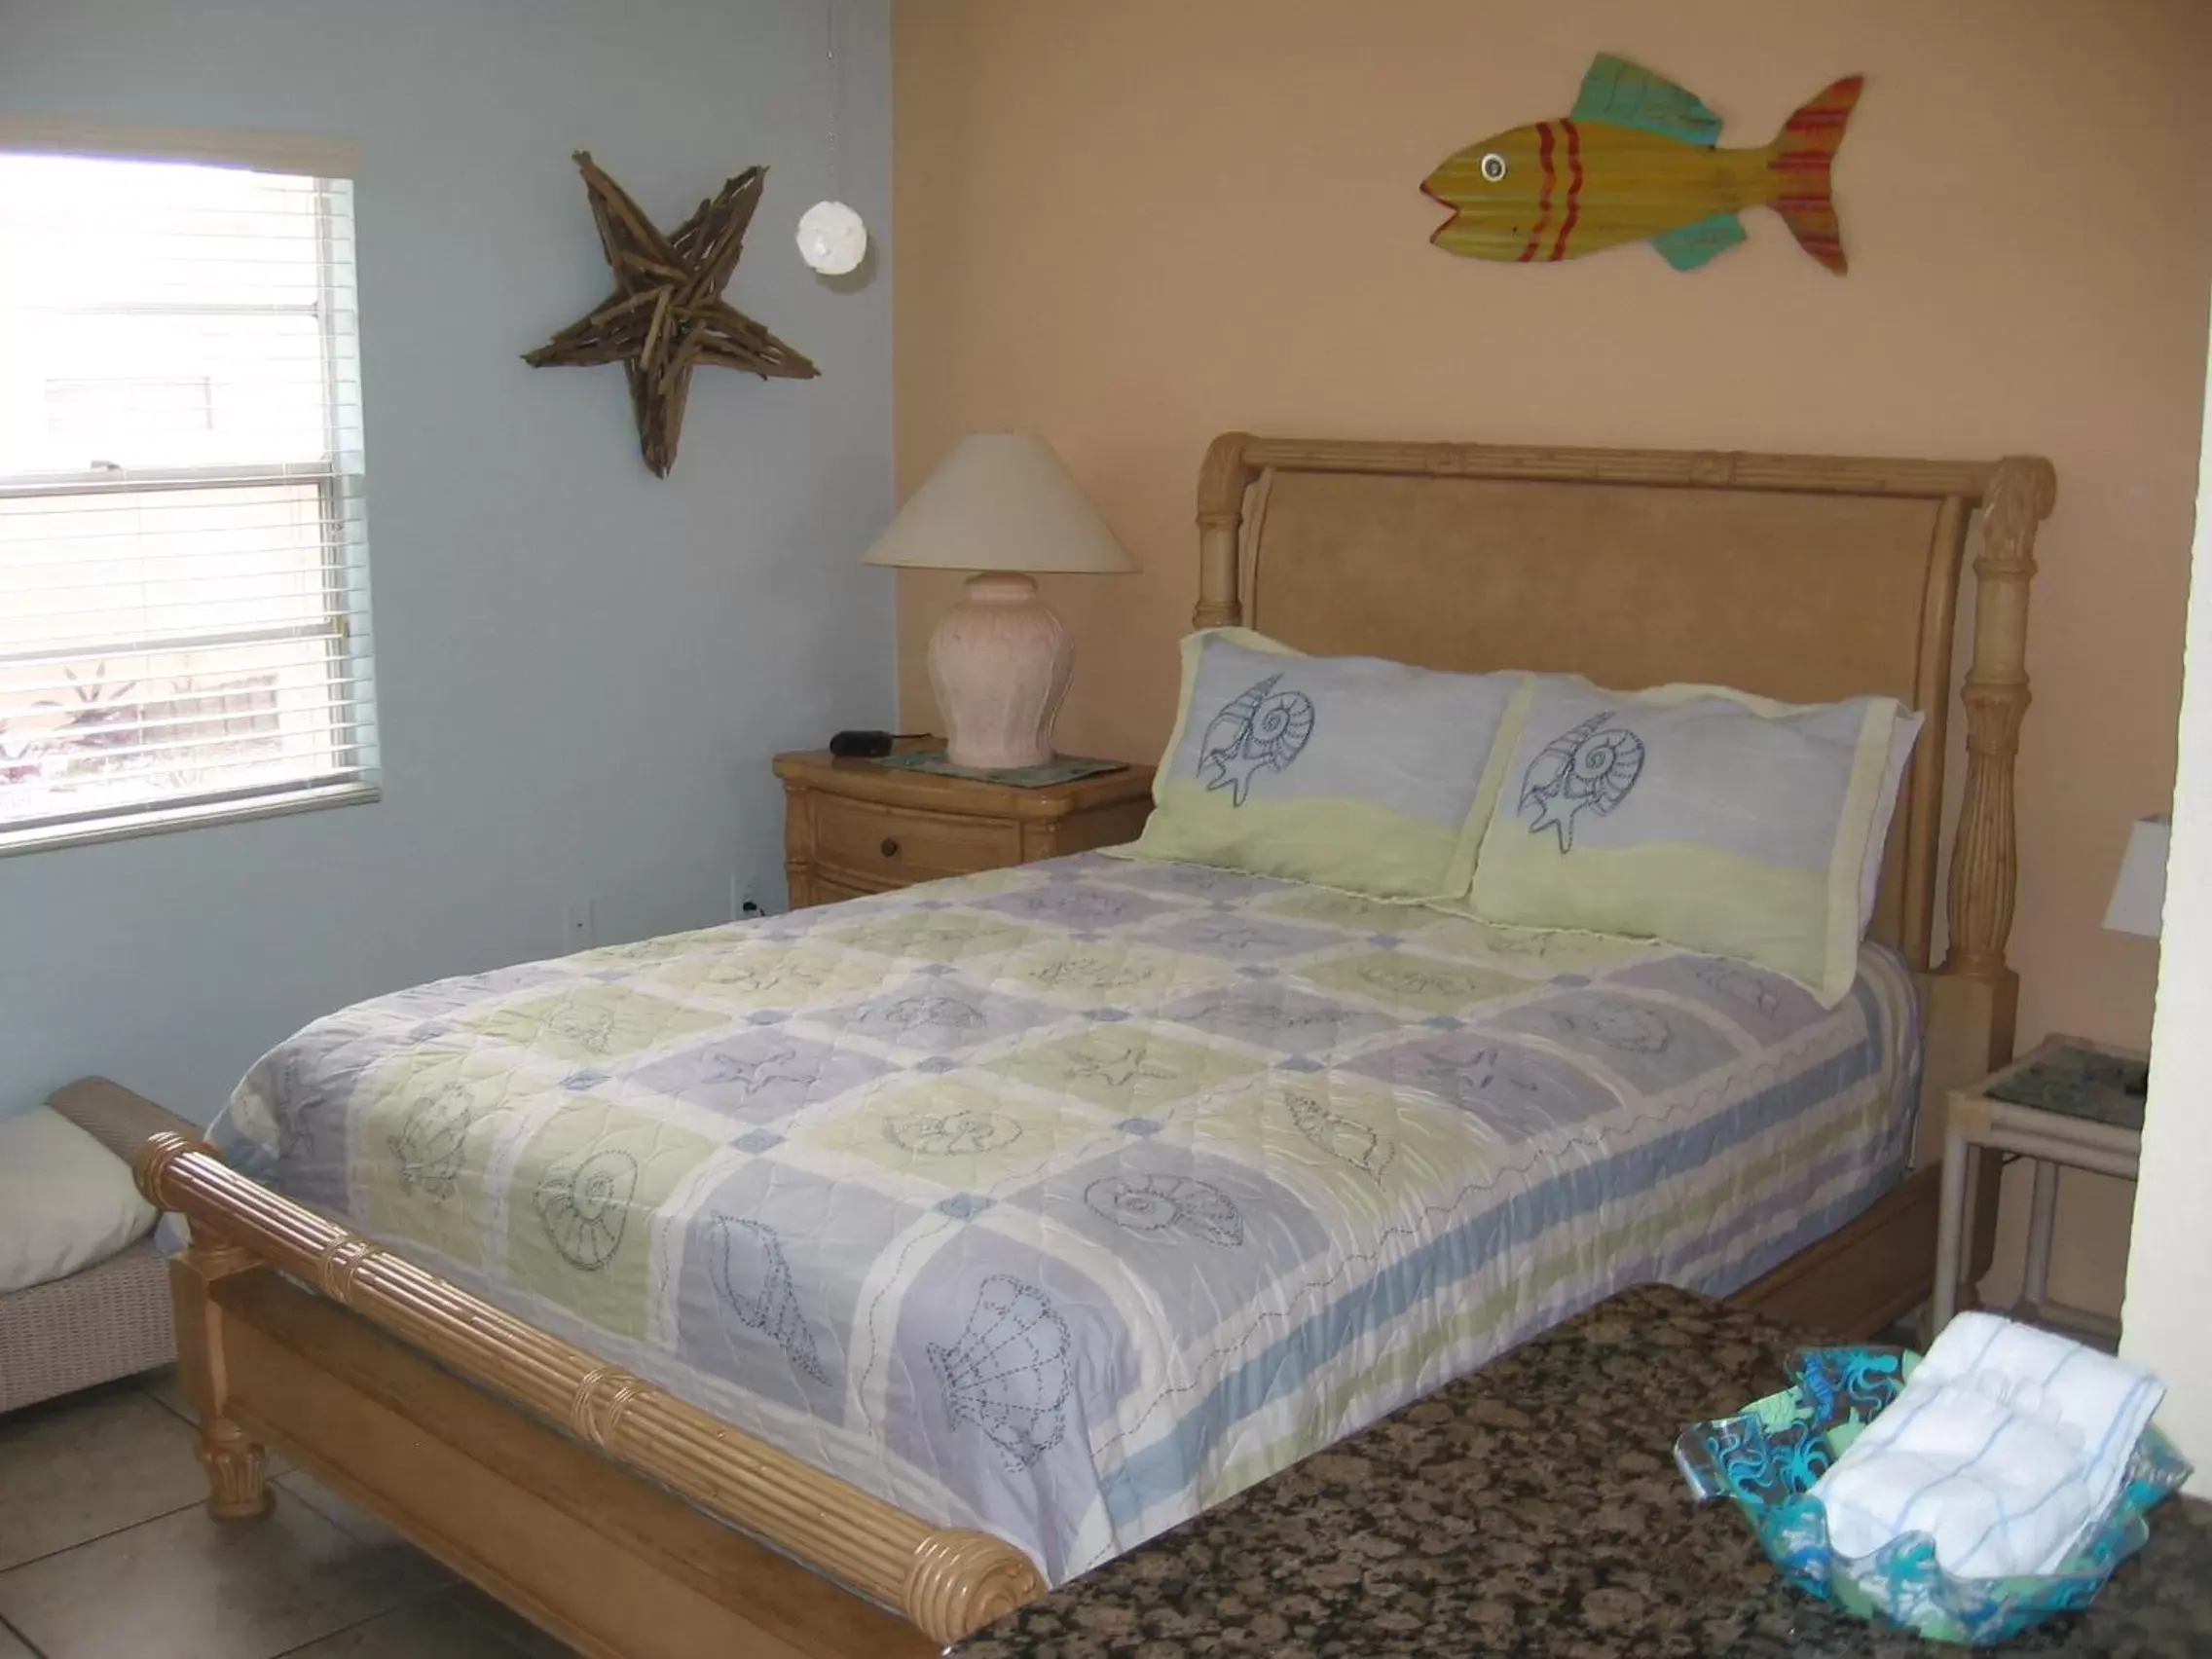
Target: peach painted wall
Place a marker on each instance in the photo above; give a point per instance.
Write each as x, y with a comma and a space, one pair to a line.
1131, 226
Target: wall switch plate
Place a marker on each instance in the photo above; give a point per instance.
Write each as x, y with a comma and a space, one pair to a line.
579, 930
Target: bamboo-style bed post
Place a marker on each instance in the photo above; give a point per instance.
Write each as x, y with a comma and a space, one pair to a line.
1976, 989
1985, 859
1222, 482
236, 1465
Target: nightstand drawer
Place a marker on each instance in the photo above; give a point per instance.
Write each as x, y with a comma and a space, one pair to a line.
813, 889
851, 827
905, 845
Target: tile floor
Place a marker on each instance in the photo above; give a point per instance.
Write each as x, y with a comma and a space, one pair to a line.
106, 1553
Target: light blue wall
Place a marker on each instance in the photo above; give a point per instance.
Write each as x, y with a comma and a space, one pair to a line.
584, 670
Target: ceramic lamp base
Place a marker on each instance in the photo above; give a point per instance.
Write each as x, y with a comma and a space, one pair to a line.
999, 663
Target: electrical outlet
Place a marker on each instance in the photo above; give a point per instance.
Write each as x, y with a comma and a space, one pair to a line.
743, 901
578, 929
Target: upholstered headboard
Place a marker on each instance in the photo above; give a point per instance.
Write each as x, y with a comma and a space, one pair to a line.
1802, 578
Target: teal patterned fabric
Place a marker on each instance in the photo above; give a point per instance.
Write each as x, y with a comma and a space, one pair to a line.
1767, 1458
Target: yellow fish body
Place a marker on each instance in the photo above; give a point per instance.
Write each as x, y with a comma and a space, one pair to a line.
1639, 159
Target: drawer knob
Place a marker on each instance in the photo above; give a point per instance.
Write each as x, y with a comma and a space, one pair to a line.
890, 848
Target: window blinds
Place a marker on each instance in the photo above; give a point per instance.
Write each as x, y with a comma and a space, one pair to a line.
183, 580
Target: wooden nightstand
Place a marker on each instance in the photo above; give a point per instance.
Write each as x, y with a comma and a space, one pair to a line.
2069, 1104
853, 826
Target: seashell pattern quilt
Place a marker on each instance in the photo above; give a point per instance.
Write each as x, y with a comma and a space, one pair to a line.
1066, 1201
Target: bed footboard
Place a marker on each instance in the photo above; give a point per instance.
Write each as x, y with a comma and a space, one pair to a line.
582, 1510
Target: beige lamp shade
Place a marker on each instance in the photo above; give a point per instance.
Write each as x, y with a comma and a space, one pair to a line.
1001, 502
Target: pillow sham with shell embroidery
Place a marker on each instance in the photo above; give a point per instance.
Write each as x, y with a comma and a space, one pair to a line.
1348, 772
1707, 818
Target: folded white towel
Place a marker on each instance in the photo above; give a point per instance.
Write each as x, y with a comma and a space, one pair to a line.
2007, 1447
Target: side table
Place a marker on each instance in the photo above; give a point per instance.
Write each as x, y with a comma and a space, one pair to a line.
2070, 1103
853, 826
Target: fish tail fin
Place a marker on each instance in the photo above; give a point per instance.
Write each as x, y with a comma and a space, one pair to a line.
1801, 155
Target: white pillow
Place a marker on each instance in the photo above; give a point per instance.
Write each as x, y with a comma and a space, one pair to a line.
66, 1200
1902, 730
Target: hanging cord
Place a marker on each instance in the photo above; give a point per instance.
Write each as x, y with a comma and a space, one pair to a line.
836, 79
831, 237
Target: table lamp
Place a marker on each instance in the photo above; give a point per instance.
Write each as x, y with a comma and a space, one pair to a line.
2139, 896
2138, 905
1001, 504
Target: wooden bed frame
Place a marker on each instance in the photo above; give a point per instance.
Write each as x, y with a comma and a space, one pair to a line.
633, 1525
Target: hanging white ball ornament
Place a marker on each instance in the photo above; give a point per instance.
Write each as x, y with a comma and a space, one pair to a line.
831, 238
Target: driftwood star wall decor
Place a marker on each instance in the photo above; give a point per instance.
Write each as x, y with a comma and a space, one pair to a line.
666, 315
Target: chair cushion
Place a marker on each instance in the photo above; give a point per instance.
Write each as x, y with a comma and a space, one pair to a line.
66, 1200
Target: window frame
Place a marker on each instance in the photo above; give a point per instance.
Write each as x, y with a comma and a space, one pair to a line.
338, 479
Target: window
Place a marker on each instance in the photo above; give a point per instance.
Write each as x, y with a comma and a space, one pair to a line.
184, 622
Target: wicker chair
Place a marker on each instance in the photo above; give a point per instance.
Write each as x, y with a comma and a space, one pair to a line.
112, 1319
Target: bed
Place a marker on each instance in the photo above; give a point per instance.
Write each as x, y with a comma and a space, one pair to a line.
1010, 1127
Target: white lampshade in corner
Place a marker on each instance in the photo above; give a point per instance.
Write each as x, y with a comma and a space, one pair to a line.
1002, 504
2139, 897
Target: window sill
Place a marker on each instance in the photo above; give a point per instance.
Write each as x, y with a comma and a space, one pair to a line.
160, 819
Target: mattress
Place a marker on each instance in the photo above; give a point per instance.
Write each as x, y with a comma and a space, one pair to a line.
1064, 1202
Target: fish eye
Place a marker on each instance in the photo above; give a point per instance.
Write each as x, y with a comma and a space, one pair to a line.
1493, 167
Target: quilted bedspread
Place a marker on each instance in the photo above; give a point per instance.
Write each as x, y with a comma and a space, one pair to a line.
1066, 1201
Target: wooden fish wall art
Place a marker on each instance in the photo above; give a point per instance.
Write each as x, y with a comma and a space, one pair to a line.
1639, 158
